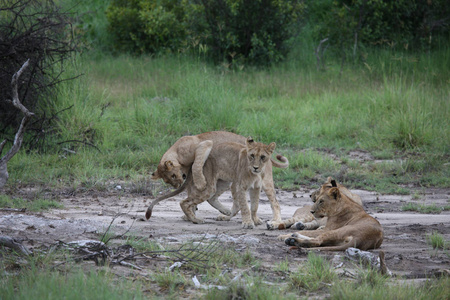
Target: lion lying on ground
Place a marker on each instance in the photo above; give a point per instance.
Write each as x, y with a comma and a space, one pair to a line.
348, 225
303, 219
244, 166
192, 152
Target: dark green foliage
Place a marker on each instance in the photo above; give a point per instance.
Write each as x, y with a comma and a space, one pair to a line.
247, 30
238, 30
146, 26
402, 24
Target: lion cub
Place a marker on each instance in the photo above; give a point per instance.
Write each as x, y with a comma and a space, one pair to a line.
348, 225
241, 165
188, 155
303, 219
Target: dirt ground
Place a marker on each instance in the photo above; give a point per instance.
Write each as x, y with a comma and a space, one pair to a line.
86, 214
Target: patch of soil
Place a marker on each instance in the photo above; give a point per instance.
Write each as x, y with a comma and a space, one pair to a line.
85, 216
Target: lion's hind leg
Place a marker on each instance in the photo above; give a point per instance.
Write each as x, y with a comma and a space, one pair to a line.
221, 187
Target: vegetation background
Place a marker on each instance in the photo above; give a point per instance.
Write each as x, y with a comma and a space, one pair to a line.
153, 71
389, 100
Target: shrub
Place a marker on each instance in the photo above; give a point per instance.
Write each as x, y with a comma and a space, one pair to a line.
146, 26
233, 30
247, 31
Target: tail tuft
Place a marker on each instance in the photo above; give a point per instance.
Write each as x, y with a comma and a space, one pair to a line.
148, 214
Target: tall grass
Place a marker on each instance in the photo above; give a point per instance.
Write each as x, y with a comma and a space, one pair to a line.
126, 111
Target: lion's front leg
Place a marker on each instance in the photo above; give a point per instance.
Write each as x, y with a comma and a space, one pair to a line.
254, 203
201, 155
269, 190
300, 240
239, 196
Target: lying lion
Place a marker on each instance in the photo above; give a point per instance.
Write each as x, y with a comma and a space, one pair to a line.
348, 225
244, 166
192, 152
303, 219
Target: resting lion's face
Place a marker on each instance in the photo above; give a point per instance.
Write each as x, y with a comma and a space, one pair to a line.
326, 186
258, 155
325, 203
170, 173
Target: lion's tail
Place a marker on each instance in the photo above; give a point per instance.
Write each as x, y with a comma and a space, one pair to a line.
283, 159
149, 211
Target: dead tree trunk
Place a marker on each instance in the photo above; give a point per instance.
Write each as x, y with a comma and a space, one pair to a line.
19, 135
319, 52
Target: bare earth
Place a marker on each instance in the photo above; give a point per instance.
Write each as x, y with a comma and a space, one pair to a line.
86, 214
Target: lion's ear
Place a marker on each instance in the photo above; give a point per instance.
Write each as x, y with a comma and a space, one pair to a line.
155, 175
250, 140
329, 179
333, 183
271, 147
169, 165
334, 192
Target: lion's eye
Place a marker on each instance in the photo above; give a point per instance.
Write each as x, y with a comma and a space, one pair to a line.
263, 157
174, 176
252, 156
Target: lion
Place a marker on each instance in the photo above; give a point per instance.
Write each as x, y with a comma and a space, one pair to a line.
190, 153
303, 219
348, 225
244, 166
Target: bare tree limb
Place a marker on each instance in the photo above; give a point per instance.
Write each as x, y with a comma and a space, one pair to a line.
19, 135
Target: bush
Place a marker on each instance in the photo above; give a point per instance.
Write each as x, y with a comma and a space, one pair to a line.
398, 24
246, 31
146, 26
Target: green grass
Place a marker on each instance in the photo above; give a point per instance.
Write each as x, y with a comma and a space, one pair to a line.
422, 208
127, 111
437, 241
36, 204
38, 284
432, 289
314, 275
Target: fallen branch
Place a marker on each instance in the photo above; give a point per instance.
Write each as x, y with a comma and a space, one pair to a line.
19, 210
10, 242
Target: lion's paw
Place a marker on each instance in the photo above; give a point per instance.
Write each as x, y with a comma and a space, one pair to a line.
290, 241
257, 221
272, 225
299, 225
198, 221
223, 218
248, 225
283, 237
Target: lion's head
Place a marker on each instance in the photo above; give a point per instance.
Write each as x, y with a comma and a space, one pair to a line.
326, 202
258, 155
171, 173
327, 185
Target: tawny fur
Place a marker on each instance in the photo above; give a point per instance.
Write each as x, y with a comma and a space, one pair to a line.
303, 219
242, 166
192, 151
348, 225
